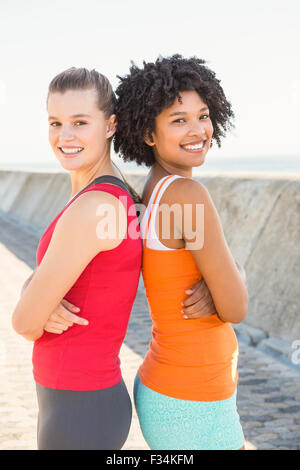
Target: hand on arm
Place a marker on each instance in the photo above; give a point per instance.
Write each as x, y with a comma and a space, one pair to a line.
61, 318
199, 303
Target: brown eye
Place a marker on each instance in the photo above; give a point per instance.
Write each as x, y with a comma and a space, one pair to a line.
180, 120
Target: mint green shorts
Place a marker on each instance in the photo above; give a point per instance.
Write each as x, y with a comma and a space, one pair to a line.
170, 423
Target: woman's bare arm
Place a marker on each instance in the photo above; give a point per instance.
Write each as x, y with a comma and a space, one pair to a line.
214, 259
199, 302
74, 243
62, 318
26, 283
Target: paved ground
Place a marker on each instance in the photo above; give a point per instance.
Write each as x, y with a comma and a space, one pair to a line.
268, 392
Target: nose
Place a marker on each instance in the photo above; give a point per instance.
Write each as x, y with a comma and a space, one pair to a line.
197, 128
66, 134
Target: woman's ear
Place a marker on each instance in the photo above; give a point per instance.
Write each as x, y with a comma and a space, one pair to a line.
111, 126
149, 139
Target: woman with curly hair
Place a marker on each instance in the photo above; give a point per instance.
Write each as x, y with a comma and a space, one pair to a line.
169, 113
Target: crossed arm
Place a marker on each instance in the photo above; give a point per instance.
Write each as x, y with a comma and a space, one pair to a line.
224, 277
63, 264
73, 245
198, 304
62, 317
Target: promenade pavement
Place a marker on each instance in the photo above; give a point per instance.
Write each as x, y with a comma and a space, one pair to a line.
268, 391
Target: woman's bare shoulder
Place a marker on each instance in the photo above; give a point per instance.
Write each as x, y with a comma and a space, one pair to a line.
186, 190
87, 203
87, 214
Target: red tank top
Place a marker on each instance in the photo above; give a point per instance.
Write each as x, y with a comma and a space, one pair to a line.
87, 357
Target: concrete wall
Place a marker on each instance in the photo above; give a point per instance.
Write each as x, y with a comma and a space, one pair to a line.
261, 220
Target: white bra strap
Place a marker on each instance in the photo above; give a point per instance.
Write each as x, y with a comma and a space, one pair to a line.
156, 196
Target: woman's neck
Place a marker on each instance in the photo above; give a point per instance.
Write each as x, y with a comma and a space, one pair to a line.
81, 178
163, 169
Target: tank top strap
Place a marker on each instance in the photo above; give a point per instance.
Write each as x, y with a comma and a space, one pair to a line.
153, 204
113, 180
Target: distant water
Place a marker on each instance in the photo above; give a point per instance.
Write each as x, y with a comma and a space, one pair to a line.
230, 164
212, 164
253, 164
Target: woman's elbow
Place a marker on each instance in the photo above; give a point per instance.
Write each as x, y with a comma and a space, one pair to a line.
238, 318
237, 311
239, 315
23, 330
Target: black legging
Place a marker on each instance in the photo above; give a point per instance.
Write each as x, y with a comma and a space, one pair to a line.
83, 420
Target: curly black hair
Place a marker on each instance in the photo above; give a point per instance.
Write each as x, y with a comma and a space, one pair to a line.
145, 92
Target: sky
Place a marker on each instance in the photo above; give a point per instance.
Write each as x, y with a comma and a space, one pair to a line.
252, 46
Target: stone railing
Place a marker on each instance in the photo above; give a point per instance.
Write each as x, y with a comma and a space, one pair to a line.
261, 220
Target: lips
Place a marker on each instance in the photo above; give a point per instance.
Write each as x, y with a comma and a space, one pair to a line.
194, 146
70, 151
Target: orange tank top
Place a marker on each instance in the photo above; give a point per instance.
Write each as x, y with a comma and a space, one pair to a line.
188, 359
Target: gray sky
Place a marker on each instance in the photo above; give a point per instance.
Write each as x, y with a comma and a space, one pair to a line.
252, 47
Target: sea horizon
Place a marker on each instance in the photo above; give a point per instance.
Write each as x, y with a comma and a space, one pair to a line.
289, 164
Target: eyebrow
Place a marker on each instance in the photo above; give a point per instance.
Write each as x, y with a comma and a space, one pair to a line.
73, 116
180, 113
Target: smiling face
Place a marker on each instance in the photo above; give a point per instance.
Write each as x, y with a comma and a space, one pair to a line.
78, 130
183, 134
